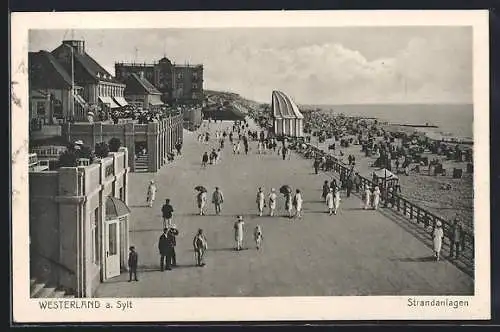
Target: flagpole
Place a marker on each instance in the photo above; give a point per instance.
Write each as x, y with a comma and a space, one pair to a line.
72, 85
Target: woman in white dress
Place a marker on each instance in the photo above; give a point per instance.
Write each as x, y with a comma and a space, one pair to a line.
288, 203
272, 202
438, 240
238, 147
376, 197
297, 203
366, 197
151, 195
201, 199
260, 201
336, 200
329, 201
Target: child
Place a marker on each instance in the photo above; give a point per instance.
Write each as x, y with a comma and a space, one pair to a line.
257, 235
133, 258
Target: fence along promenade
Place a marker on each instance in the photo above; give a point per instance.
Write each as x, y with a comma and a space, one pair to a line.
409, 211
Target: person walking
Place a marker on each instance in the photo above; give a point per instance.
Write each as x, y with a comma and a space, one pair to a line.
376, 197
288, 204
336, 200
297, 203
329, 199
234, 148
349, 184
316, 165
326, 189
178, 147
167, 211
200, 247
284, 151
201, 200
260, 200
164, 251
204, 160
437, 238
272, 202
245, 143
151, 195
171, 243
238, 233
456, 238
238, 147
257, 236
366, 198
333, 184
217, 200
133, 259
357, 182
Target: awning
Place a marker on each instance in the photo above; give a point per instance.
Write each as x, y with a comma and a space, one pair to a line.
155, 101
120, 101
109, 101
116, 208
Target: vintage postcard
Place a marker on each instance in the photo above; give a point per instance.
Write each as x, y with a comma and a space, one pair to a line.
243, 166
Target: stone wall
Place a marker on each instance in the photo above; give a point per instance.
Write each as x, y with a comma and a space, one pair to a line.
160, 137
66, 207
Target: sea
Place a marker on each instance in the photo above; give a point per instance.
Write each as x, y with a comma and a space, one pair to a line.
452, 119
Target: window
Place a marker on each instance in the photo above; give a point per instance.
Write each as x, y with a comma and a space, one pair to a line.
95, 236
113, 246
195, 86
121, 194
180, 75
180, 86
40, 108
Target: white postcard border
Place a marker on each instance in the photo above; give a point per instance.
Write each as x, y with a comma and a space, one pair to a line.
249, 309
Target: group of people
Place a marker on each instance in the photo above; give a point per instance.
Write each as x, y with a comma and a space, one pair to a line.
292, 202
239, 234
456, 237
217, 200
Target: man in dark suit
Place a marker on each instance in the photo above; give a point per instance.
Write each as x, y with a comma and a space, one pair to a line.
164, 251
171, 243
133, 259
456, 238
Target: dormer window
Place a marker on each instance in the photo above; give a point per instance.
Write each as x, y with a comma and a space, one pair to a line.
98, 75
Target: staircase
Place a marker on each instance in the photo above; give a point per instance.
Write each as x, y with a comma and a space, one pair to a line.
142, 163
40, 290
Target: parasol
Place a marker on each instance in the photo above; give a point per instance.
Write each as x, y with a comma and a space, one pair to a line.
285, 189
200, 188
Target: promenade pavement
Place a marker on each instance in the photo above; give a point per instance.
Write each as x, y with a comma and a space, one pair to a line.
357, 252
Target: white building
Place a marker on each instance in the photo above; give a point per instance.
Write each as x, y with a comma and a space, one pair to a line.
287, 119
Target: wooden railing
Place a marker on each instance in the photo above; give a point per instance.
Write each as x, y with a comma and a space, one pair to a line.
412, 212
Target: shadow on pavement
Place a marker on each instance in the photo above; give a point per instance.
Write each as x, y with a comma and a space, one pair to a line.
415, 259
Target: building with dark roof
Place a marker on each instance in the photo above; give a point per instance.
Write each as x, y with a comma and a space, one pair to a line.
178, 84
140, 92
287, 119
50, 88
99, 87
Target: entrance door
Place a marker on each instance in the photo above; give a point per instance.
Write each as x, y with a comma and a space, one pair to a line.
112, 249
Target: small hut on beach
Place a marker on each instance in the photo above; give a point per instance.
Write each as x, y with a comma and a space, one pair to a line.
287, 119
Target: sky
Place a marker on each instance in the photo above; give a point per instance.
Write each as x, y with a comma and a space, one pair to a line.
332, 65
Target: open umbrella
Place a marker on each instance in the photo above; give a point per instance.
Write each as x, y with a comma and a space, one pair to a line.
285, 189
200, 188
